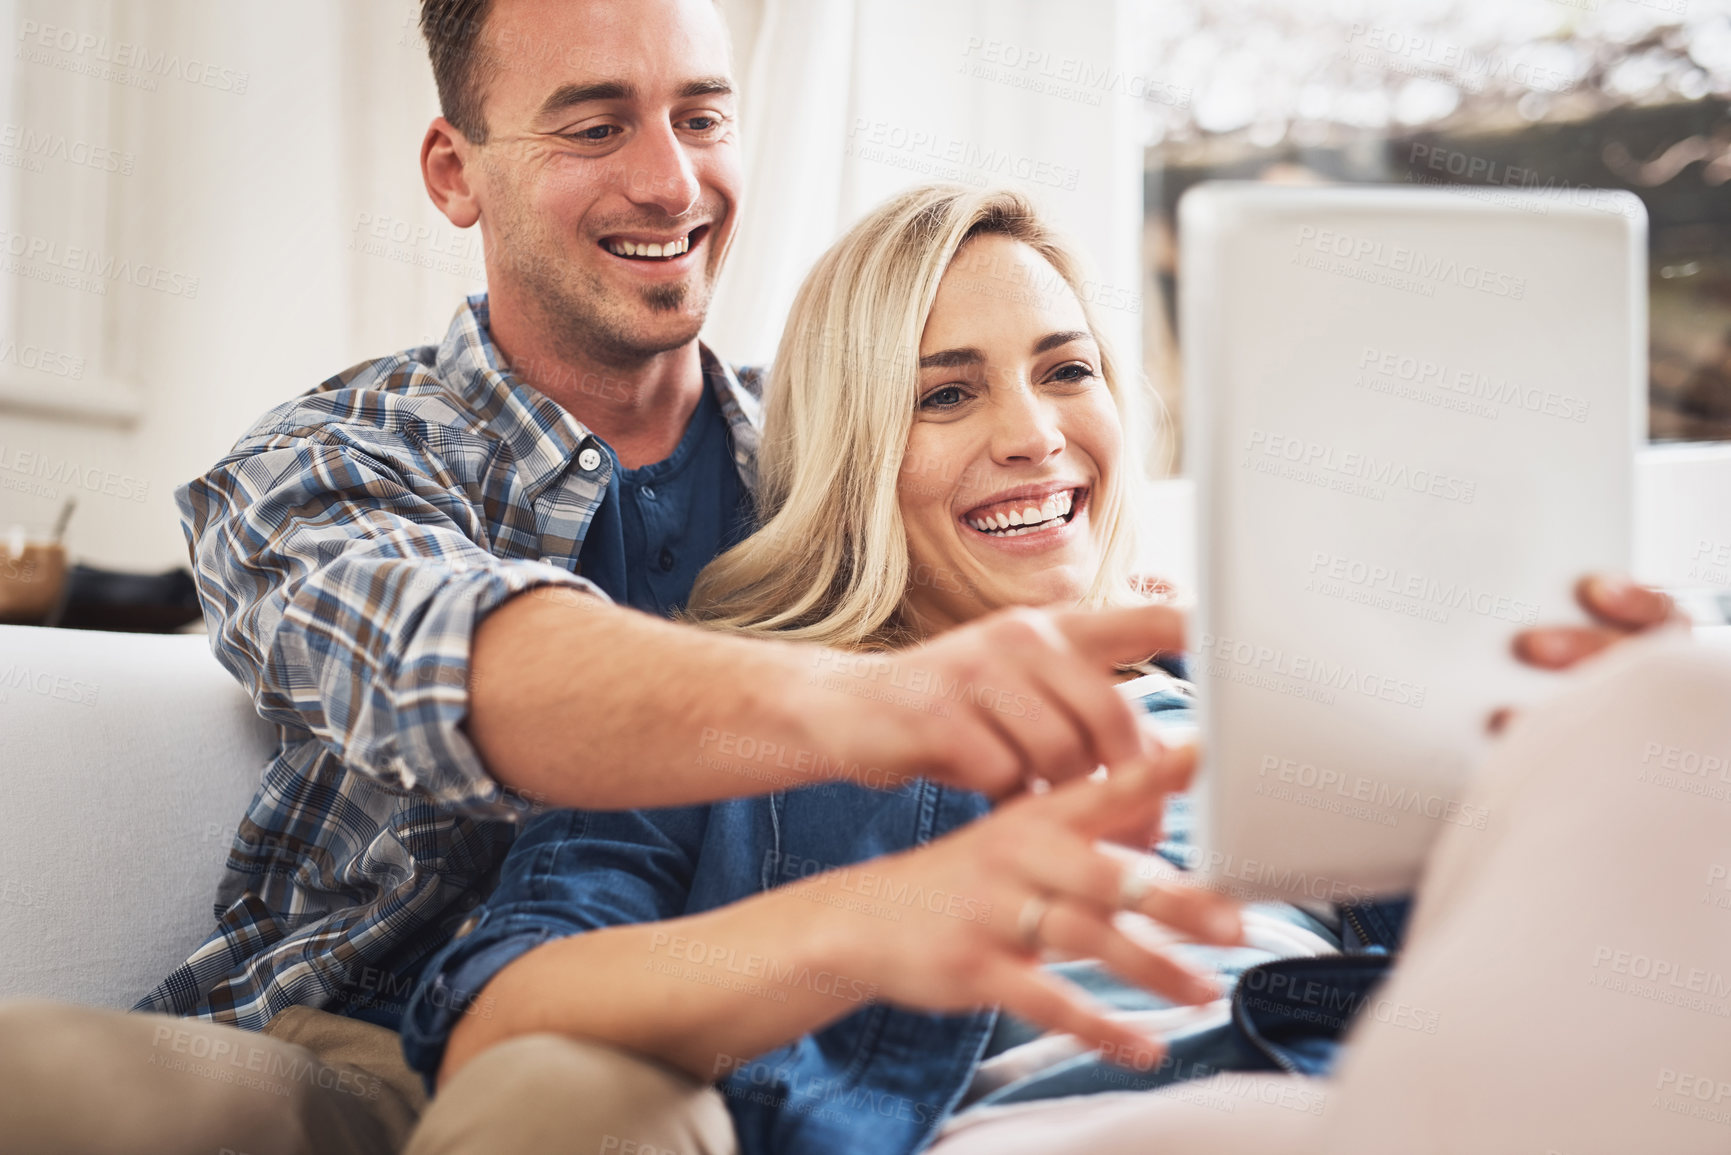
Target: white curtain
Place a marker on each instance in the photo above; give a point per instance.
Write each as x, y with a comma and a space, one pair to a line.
849, 101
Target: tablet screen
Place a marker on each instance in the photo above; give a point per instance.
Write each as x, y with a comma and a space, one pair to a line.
1413, 418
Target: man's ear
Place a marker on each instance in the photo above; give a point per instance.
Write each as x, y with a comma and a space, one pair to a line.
443, 152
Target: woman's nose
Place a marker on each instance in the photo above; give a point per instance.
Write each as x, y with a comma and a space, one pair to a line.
1027, 429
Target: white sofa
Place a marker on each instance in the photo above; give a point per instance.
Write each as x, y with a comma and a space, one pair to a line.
126, 761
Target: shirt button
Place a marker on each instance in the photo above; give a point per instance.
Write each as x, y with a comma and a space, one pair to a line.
665, 561
589, 460
467, 925
648, 492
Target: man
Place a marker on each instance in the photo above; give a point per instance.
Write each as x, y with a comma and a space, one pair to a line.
431, 571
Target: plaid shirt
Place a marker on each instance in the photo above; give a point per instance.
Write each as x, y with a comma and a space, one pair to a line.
345, 550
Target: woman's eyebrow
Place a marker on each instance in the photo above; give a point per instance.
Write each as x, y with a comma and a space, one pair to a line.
951, 358
1064, 337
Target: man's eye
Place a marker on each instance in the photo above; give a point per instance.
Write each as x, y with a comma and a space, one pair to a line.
593, 135
703, 123
946, 398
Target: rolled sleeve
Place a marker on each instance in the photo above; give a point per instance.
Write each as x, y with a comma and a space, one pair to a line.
346, 586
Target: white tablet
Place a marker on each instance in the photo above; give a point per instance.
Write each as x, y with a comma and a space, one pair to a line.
1411, 417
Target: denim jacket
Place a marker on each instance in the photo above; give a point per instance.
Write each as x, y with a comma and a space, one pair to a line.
882, 1079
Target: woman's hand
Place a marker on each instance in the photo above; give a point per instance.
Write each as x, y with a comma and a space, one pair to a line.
1620, 609
1025, 880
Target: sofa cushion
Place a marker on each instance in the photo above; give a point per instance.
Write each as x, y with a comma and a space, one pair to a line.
126, 762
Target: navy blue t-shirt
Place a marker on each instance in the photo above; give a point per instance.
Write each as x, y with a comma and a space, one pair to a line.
661, 523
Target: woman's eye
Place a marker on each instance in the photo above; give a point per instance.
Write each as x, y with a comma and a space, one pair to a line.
1074, 371
946, 398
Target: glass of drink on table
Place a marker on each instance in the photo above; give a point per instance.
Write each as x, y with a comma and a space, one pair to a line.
32, 570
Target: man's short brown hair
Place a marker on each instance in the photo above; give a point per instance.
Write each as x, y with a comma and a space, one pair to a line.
453, 31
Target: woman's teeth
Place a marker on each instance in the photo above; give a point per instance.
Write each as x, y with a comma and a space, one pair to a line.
662, 252
1011, 521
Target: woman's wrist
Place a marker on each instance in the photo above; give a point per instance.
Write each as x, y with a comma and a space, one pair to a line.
851, 921
792, 938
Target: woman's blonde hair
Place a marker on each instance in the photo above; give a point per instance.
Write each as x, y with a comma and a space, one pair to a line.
829, 563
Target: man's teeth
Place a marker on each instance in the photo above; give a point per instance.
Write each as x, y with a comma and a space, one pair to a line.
1013, 522
633, 249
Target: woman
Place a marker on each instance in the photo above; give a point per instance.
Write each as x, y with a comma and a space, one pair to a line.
841, 1006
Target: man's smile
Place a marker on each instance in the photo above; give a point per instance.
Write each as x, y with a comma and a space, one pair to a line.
663, 248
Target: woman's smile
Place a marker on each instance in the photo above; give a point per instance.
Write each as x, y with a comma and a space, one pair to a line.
1029, 519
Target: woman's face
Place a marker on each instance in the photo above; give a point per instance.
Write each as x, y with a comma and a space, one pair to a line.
1014, 434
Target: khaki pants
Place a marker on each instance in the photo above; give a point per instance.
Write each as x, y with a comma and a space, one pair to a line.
83, 1081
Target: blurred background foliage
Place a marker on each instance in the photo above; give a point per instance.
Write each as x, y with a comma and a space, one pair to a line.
1558, 97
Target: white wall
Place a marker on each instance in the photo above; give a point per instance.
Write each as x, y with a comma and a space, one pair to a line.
254, 185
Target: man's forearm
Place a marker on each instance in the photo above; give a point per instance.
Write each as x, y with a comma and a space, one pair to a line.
577, 702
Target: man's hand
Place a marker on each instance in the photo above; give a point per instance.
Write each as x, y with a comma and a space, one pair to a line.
1020, 696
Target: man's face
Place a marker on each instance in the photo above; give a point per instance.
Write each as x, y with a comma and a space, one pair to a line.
610, 175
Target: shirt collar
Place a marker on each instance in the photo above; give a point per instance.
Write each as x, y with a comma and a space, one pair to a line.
542, 436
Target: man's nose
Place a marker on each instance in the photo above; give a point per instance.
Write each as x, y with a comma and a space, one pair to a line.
660, 173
